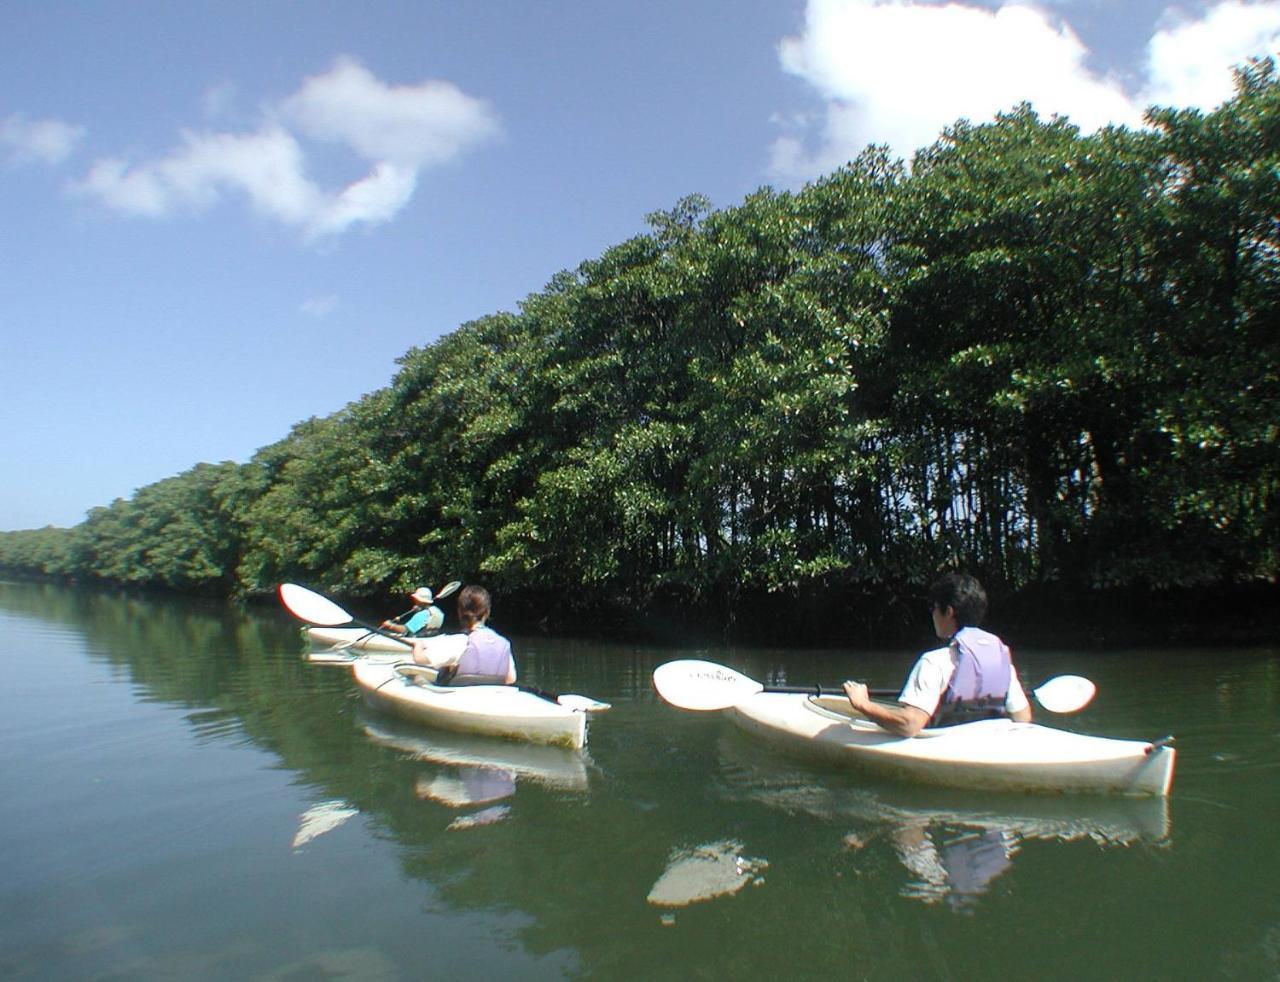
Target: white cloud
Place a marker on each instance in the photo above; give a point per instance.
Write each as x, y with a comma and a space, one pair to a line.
899, 71
1188, 61
400, 130
319, 306
266, 166
375, 198
421, 125
47, 141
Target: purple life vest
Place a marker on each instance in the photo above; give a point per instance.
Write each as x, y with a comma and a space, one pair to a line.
487, 657
980, 683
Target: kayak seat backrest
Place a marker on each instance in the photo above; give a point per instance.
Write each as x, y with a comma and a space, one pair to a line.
458, 680
415, 673
968, 711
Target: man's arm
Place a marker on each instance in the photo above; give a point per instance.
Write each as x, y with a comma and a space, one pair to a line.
903, 720
1018, 695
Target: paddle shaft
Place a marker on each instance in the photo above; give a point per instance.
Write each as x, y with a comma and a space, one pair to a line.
702, 686
344, 645
818, 690
370, 629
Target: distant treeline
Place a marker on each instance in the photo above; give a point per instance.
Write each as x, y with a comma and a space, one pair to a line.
1046, 357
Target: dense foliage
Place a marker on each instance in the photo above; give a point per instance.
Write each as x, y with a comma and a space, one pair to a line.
1049, 357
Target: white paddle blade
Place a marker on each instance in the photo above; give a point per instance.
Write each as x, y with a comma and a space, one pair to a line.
1065, 693
582, 704
702, 685
309, 606
449, 588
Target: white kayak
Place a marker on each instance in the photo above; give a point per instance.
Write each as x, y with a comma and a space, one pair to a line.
438, 651
494, 710
350, 638
995, 753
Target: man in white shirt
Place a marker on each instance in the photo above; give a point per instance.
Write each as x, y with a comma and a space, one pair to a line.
971, 678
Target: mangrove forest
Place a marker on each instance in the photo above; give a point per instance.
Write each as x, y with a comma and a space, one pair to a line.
1048, 357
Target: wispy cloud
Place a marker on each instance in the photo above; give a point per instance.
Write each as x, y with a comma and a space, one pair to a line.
396, 131
898, 71
319, 306
45, 141
267, 167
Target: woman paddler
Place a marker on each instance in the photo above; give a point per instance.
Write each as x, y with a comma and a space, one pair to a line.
487, 659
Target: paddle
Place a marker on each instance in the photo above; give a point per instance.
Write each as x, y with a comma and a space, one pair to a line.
447, 590
704, 685
309, 606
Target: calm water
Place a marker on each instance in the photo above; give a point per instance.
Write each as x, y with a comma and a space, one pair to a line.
185, 798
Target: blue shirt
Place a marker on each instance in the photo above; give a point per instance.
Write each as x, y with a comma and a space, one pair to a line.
429, 618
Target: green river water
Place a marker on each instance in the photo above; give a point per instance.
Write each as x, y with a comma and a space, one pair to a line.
184, 797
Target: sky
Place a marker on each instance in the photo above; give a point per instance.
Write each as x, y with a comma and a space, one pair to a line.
219, 218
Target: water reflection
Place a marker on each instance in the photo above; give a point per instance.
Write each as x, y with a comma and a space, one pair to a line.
473, 770
150, 821
952, 844
322, 817
704, 872
949, 865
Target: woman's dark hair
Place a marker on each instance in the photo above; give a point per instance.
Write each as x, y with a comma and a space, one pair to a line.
962, 592
473, 606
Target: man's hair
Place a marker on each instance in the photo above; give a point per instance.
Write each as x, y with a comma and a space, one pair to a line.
473, 605
962, 592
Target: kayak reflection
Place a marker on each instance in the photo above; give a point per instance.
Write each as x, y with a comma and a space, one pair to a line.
954, 844
476, 770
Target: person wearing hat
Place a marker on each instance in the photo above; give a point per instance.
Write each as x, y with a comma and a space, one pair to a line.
426, 618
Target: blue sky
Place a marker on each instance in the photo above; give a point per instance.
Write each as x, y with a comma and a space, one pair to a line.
222, 218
